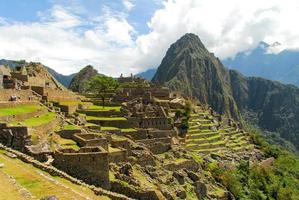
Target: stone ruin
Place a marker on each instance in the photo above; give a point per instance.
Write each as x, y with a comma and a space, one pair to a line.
90, 164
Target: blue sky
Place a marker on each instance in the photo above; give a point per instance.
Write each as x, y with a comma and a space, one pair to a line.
29, 10
130, 36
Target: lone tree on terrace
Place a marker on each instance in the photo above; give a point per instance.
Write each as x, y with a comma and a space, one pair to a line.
101, 85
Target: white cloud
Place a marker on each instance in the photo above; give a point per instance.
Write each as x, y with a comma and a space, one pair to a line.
128, 4
66, 42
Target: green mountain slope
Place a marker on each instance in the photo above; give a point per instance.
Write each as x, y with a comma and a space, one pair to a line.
79, 80
189, 67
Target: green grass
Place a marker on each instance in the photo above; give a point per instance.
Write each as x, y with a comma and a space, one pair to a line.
107, 128
105, 118
126, 130
71, 127
22, 109
67, 143
36, 121
106, 108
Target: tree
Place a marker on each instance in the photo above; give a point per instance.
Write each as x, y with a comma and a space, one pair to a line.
100, 85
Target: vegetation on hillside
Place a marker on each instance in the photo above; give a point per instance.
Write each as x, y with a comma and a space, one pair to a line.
79, 81
101, 85
254, 182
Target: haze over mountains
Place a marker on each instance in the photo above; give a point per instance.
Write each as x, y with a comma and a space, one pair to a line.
283, 67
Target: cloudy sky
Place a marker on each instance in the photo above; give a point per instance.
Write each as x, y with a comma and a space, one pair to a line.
130, 36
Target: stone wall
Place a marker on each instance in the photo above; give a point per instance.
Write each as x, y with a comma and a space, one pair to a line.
155, 122
68, 134
88, 164
118, 156
60, 95
91, 140
101, 113
16, 137
116, 123
23, 95
157, 145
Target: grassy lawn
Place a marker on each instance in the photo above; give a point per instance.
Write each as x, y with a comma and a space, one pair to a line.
106, 108
22, 109
37, 121
38, 183
105, 118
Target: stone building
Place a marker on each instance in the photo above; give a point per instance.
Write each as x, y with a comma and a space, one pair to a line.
5, 77
89, 164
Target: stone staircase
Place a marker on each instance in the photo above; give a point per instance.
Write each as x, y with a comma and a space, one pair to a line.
206, 135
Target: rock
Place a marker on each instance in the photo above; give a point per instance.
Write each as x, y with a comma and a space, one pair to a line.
200, 189
126, 169
181, 194
267, 162
49, 198
179, 176
193, 176
11, 155
167, 195
1, 165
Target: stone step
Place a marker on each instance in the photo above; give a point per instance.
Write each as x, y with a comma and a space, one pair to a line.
214, 138
206, 146
199, 135
214, 150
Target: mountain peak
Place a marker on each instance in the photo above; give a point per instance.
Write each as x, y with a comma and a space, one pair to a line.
191, 40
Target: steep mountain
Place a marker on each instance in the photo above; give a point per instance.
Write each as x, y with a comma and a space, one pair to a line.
79, 80
191, 69
148, 74
63, 79
283, 67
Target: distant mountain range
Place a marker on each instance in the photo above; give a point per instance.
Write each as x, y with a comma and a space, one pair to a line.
148, 74
190, 68
283, 67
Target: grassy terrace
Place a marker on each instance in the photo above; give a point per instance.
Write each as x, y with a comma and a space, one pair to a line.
36, 121
106, 108
125, 130
71, 127
105, 118
17, 175
21, 109
67, 143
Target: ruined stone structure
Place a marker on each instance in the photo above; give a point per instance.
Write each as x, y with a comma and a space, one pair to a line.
6, 81
91, 140
90, 164
16, 137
